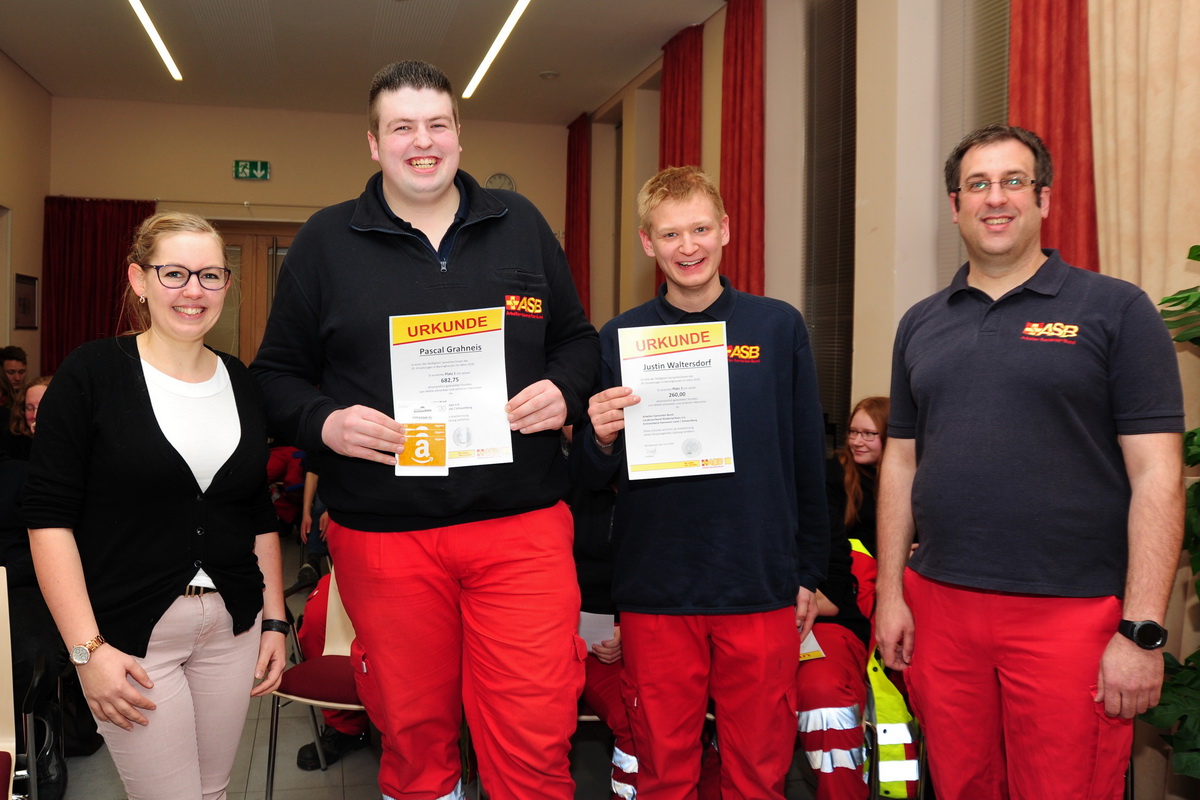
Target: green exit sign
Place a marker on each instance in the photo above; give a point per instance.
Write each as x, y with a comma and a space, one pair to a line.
252, 170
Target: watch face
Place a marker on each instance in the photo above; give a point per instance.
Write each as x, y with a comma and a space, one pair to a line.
1148, 635
80, 654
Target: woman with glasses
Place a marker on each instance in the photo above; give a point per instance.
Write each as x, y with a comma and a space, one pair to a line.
831, 691
852, 481
859, 462
18, 434
151, 526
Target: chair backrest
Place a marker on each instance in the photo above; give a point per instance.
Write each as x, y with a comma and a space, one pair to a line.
339, 632
8, 729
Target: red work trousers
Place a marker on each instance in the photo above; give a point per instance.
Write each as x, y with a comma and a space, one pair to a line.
747, 664
602, 694
480, 616
1004, 685
831, 693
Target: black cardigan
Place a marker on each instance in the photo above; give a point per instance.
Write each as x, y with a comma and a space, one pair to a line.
102, 467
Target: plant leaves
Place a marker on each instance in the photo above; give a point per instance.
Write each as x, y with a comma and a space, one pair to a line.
1181, 313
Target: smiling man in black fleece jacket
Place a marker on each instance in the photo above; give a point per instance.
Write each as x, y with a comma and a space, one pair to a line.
461, 588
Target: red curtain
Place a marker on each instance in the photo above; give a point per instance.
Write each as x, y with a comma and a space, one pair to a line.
579, 207
680, 99
1049, 93
742, 143
84, 246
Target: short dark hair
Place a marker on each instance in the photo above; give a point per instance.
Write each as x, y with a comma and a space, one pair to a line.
14, 353
1043, 166
408, 75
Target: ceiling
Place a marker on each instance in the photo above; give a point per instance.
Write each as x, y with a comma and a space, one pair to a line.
319, 55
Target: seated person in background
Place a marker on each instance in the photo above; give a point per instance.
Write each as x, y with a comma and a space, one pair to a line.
852, 485
831, 692
35, 637
285, 474
345, 731
313, 536
15, 364
18, 434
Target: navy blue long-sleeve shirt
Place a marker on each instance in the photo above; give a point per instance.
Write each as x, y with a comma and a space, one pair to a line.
729, 543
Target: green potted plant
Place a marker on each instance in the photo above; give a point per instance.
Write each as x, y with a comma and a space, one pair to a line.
1180, 703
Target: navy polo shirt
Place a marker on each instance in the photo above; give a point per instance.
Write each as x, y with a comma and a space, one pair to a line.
1016, 405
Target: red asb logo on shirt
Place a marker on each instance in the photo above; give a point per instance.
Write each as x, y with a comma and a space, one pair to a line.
1050, 332
516, 305
743, 353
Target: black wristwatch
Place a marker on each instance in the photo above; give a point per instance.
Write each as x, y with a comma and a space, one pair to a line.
1147, 634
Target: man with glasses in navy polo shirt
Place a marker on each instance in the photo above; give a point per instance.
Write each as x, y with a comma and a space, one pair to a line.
1034, 442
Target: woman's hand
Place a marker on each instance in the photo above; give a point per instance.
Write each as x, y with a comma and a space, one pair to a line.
272, 659
109, 693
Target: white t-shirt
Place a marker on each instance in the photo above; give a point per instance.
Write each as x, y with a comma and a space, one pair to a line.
201, 422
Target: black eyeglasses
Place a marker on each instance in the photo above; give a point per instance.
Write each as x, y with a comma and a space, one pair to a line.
174, 276
867, 436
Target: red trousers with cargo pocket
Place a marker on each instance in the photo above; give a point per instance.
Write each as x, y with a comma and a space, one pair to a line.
747, 663
1004, 686
480, 617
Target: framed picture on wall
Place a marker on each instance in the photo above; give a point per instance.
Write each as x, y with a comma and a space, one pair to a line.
25, 305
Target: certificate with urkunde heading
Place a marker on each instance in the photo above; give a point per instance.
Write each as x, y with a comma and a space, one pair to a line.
681, 426
449, 390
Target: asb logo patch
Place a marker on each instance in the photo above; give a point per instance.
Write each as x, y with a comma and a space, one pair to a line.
519, 306
1062, 332
743, 353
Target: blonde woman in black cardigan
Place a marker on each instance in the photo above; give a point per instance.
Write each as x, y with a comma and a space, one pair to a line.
151, 526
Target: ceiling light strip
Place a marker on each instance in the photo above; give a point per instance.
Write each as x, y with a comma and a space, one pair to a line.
152, 32
501, 38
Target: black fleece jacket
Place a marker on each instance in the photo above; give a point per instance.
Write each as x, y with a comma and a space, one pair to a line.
351, 267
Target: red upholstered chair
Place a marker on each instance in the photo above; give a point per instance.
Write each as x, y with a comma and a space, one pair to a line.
324, 681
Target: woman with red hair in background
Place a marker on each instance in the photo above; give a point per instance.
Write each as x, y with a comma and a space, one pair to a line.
831, 691
854, 490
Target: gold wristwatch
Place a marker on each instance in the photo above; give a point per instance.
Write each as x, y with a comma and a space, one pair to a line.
82, 653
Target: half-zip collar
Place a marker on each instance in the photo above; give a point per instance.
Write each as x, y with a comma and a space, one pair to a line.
372, 213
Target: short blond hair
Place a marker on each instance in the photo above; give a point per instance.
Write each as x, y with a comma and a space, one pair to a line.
677, 184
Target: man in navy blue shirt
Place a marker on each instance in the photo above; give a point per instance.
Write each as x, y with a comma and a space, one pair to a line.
1034, 444
714, 573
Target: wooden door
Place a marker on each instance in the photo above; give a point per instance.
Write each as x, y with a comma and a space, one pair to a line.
255, 252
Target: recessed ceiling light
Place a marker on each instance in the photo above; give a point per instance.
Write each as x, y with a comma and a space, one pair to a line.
152, 32
548, 75
501, 38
